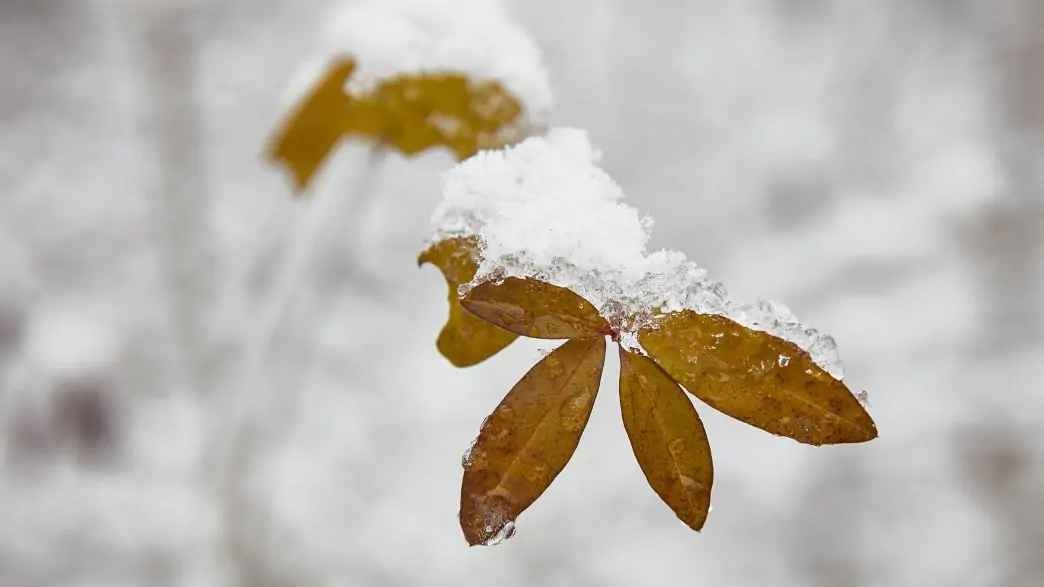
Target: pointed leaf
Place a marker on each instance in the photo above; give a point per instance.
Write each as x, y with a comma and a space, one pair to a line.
529, 438
536, 309
667, 437
409, 112
757, 378
316, 124
465, 339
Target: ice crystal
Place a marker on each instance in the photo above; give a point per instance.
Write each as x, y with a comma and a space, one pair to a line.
543, 209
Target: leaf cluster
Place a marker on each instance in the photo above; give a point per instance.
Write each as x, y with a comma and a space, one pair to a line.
750, 375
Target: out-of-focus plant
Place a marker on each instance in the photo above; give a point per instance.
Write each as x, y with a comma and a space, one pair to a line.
410, 113
412, 75
408, 76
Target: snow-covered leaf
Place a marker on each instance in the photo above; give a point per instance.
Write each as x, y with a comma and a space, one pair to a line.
465, 339
757, 378
410, 112
667, 437
533, 308
528, 439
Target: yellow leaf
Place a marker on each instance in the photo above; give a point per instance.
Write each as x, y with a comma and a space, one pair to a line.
667, 437
536, 309
408, 112
529, 438
757, 378
465, 339
427, 110
314, 126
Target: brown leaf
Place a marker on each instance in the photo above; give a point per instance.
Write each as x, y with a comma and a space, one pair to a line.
465, 339
757, 378
409, 112
536, 309
529, 438
667, 437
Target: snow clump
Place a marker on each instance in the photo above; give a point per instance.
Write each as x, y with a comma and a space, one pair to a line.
544, 209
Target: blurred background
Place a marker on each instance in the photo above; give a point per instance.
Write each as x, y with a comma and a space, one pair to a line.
878, 166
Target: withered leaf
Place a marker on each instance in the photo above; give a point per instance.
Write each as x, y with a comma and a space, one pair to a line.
408, 112
757, 378
529, 438
536, 309
667, 437
465, 339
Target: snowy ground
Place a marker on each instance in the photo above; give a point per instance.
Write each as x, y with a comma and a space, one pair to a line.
878, 166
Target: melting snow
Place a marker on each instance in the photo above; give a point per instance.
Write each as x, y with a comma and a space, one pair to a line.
544, 209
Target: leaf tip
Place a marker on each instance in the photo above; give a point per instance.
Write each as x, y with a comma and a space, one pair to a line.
486, 520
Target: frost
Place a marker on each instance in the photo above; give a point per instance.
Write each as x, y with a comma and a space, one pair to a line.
467, 458
472, 37
506, 531
544, 209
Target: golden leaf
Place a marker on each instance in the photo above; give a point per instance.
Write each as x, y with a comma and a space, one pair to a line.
408, 112
667, 437
427, 110
465, 339
529, 438
757, 378
314, 126
536, 309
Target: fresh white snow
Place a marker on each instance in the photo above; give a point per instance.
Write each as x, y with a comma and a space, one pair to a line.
544, 209
476, 38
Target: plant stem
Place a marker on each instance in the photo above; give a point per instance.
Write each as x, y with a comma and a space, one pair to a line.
243, 427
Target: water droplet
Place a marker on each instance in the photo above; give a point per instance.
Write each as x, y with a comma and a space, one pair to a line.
500, 437
689, 483
554, 366
784, 360
572, 414
676, 447
537, 474
864, 398
505, 414
505, 532
643, 382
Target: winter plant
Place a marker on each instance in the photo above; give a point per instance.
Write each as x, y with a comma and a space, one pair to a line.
406, 75
533, 240
412, 75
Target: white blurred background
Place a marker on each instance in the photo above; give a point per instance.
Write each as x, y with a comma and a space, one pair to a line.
878, 166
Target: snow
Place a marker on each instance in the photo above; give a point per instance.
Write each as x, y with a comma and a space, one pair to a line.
473, 37
544, 209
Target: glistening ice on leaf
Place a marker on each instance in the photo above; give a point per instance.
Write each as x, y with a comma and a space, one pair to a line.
553, 252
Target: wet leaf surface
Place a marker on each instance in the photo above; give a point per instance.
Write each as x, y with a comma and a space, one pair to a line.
465, 339
757, 378
536, 309
667, 437
529, 438
409, 112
